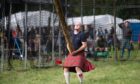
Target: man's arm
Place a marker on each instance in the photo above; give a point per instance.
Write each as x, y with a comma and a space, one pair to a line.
121, 25
83, 46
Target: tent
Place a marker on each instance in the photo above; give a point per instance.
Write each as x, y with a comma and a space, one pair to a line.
33, 19
100, 20
133, 20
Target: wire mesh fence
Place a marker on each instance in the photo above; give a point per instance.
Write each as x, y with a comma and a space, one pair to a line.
33, 36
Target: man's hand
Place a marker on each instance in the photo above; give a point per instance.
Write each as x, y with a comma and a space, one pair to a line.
74, 53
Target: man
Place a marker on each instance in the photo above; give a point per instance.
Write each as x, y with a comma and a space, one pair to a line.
101, 44
126, 42
76, 61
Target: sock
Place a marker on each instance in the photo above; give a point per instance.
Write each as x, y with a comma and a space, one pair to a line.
67, 77
80, 77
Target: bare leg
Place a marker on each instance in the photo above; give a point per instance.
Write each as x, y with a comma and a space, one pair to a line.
79, 74
67, 75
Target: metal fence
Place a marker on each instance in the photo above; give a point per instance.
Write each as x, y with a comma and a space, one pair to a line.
33, 35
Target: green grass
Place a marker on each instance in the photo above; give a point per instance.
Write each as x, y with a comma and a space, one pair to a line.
105, 73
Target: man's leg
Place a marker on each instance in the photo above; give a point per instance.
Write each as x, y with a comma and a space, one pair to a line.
79, 74
67, 75
123, 49
129, 49
122, 53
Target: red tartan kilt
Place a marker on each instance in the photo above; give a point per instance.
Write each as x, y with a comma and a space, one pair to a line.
88, 66
78, 61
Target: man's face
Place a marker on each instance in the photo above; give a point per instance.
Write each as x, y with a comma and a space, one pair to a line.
77, 26
126, 24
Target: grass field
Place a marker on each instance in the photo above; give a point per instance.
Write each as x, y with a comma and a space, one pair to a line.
106, 72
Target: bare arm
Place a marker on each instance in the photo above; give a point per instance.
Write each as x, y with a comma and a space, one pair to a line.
83, 46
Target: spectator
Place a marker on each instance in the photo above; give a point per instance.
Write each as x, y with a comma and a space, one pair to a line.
101, 44
110, 39
126, 42
10, 44
106, 33
19, 38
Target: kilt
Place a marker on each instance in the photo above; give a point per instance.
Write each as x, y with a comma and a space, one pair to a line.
78, 61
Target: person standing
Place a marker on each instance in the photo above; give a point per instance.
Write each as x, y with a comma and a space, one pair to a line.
76, 61
126, 42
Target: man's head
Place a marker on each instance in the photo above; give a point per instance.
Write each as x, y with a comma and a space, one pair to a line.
126, 24
77, 26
